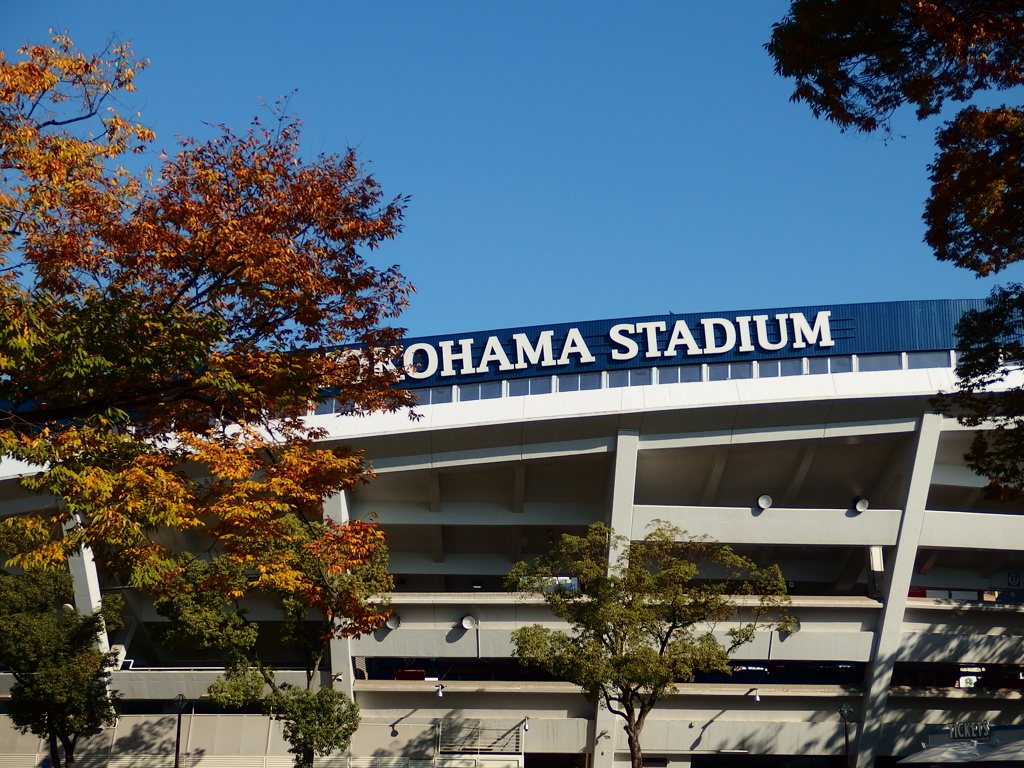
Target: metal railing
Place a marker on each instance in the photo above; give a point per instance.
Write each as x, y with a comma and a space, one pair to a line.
470, 737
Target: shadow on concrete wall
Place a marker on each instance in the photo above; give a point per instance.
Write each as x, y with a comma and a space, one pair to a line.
148, 737
423, 745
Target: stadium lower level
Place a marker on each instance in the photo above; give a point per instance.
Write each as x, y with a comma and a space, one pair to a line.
905, 579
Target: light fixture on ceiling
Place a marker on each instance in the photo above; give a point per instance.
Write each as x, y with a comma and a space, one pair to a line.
394, 621
764, 501
860, 504
440, 690
526, 723
468, 621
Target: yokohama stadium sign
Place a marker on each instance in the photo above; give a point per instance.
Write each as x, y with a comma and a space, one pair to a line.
666, 340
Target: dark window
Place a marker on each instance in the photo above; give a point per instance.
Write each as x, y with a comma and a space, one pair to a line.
487, 390
724, 371
518, 387
490, 390
928, 359
830, 364
817, 365
440, 395
791, 367
679, 374
887, 362
573, 382
540, 386
841, 364
618, 378
740, 370
640, 377
433, 395
718, 372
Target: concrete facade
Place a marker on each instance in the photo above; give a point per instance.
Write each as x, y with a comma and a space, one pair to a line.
911, 610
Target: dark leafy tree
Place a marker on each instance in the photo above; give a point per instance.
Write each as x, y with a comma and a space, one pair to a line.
343, 578
61, 689
855, 62
642, 615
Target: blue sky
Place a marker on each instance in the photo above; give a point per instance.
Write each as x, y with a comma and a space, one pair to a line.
567, 161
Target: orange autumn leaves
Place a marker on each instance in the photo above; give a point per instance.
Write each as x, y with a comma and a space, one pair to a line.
855, 62
168, 329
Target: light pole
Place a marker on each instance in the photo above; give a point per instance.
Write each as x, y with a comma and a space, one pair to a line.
844, 712
180, 702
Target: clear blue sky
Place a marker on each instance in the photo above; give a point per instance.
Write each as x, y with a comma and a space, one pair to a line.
567, 161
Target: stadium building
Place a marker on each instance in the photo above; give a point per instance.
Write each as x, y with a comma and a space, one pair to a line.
800, 436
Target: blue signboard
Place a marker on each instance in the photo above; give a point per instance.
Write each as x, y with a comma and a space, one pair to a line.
672, 340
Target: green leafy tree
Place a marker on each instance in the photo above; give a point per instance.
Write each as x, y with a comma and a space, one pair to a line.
61, 677
855, 63
344, 577
315, 722
642, 615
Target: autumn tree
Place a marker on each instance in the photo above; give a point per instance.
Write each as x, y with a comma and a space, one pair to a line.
167, 333
855, 63
164, 341
341, 574
642, 615
61, 678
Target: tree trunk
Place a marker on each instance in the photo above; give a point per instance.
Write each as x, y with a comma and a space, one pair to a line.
305, 760
636, 754
69, 751
54, 751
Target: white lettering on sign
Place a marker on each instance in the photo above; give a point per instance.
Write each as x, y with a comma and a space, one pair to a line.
409, 363
626, 341
651, 329
575, 345
529, 354
619, 334
803, 334
743, 323
973, 729
682, 336
761, 323
711, 344
449, 357
494, 353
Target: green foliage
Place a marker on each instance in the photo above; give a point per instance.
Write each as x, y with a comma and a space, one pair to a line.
205, 612
61, 677
344, 571
644, 615
316, 723
241, 684
991, 341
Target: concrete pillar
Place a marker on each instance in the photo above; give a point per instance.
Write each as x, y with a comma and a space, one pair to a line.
86, 582
336, 509
623, 491
899, 572
608, 727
